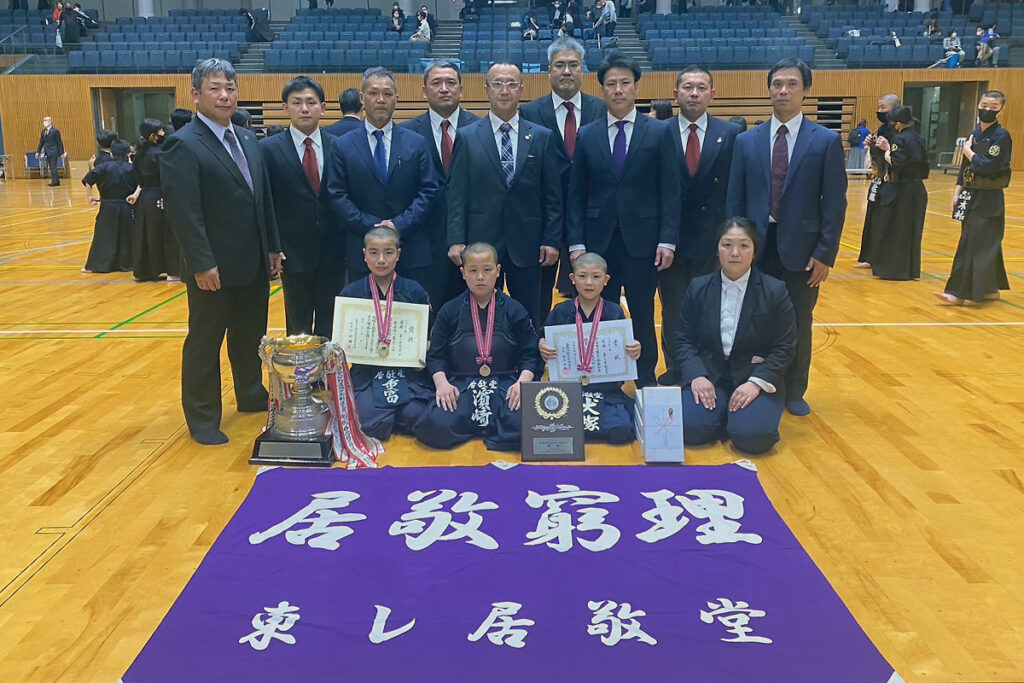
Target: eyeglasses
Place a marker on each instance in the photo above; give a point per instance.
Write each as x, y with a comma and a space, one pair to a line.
502, 85
563, 66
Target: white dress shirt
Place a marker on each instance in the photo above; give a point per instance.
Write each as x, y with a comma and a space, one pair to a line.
561, 112
613, 129
702, 129
370, 128
435, 126
218, 130
792, 128
513, 134
299, 140
733, 293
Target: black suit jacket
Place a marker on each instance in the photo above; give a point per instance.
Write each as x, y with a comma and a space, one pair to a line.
217, 219
50, 143
542, 111
339, 128
703, 196
765, 341
516, 219
406, 197
305, 221
643, 200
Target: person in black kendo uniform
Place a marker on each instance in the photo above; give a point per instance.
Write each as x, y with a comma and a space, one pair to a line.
978, 271
877, 190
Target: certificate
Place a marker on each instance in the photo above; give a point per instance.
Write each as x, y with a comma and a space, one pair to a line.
611, 364
355, 328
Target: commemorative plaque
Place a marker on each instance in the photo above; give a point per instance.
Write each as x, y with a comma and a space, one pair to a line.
552, 414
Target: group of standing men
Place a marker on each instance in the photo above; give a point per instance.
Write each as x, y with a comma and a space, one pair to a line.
568, 172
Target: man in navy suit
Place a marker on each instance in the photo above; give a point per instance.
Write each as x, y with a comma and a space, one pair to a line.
350, 105
788, 176
381, 175
565, 110
506, 190
51, 145
624, 200
703, 147
314, 248
441, 123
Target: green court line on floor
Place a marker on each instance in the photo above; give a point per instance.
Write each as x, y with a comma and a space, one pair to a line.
136, 317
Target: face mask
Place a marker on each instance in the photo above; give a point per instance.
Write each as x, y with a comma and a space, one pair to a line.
987, 115
883, 116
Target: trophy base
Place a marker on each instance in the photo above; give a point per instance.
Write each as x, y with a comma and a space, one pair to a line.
271, 449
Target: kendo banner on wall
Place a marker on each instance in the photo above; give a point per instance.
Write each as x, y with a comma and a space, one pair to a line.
524, 573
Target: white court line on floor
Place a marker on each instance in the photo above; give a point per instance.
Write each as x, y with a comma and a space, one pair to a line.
44, 218
25, 252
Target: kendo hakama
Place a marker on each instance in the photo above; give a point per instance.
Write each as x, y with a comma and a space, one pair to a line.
978, 270
156, 250
390, 400
482, 409
111, 249
896, 254
876, 190
607, 411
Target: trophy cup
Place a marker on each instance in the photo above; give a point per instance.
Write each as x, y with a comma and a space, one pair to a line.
296, 432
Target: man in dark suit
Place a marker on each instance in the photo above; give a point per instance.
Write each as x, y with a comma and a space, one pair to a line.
52, 148
382, 175
441, 123
351, 105
564, 111
703, 147
624, 200
505, 190
218, 201
789, 177
314, 248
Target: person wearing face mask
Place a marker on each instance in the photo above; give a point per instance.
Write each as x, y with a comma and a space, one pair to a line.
897, 252
154, 249
877, 190
978, 271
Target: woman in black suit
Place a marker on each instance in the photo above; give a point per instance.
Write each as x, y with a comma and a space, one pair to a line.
736, 337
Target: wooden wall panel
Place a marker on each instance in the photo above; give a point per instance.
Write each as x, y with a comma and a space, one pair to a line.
24, 100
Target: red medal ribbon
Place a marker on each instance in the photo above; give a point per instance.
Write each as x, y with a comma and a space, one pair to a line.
483, 345
586, 363
383, 322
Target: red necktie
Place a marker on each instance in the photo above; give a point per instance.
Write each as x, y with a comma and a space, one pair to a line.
692, 150
446, 146
570, 128
309, 166
780, 166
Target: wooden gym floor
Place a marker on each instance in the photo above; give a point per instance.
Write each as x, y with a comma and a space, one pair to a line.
906, 483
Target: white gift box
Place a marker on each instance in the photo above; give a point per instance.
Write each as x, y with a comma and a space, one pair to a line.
658, 416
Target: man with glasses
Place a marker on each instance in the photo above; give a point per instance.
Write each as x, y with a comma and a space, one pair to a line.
563, 111
505, 189
441, 123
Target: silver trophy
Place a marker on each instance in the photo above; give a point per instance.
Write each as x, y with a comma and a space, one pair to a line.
297, 425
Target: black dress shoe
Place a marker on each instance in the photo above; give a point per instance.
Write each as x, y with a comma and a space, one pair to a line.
669, 379
210, 437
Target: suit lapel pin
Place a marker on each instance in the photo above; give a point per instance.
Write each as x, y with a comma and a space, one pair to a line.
719, 140
527, 136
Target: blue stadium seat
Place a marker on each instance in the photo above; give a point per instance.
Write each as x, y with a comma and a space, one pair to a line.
758, 56
140, 60
726, 55
272, 60
289, 60
108, 59
76, 61
173, 60
708, 55
741, 54
305, 59
156, 60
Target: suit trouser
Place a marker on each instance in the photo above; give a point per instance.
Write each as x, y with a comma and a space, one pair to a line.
672, 285
639, 277
309, 299
804, 297
241, 313
752, 430
51, 163
524, 287
549, 281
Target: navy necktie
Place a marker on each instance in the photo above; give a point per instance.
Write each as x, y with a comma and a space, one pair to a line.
780, 167
508, 164
380, 159
619, 147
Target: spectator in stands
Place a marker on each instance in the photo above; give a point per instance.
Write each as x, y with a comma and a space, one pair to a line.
351, 105
242, 118
51, 148
468, 10
431, 21
985, 51
57, 10
329, 3
931, 26
739, 121
951, 46
397, 21
273, 129
401, 12
180, 117
422, 34
259, 26
556, 16
992, 35
626, 7
569, 23
607, 20
661, 110
530, 26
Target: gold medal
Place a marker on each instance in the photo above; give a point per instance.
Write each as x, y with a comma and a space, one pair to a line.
383, 350
485, 370
584, 379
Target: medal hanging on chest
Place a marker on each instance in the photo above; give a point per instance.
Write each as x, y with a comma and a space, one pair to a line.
483, 344
383, 317
586, 347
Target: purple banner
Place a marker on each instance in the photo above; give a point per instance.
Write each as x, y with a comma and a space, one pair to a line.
532, 573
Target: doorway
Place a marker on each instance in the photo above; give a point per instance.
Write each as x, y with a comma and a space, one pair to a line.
123, 109
938, 108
